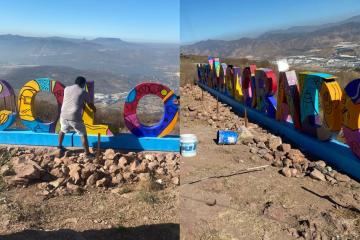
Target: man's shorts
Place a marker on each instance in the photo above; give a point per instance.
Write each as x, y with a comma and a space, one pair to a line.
68, 125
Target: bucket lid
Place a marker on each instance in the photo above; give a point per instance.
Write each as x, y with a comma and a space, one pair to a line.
188, 136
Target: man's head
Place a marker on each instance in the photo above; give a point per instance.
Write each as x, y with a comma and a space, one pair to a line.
80, 81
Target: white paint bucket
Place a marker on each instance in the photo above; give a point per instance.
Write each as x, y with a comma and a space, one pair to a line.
188, 145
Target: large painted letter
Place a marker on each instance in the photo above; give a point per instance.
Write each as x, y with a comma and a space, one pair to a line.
288, 99
26, 102
7, 118
229, 80
89, 117
238, 95
223, 77
248, 85
312, 85
167, 123
216, 74
351, 116
266, 87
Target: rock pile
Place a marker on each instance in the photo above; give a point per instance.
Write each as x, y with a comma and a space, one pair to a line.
292, 162
73, 171
206, 110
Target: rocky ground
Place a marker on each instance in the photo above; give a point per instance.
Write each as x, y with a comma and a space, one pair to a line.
122, 195
296, 197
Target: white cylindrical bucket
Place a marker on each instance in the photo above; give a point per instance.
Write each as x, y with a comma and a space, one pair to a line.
188, 145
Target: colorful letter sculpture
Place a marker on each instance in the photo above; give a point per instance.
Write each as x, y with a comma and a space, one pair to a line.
89, 116
26, 106
7, 118
351, 116
222, 77
26, 102
314, 103
217, 73
229, 80
266, 87
310, 117
288, 99
248, 86
167, 123
238, 95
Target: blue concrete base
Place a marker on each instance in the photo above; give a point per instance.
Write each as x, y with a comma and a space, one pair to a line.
128, 141
25, 137
335, 153
122, 141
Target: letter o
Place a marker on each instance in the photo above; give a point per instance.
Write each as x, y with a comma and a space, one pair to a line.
166, 124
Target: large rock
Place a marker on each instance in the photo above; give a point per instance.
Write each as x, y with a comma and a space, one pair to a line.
274, 142
16, 181
137, 167
175, 181
123, 162
74, 172
170, 156
150, 157
144, 177
92, 179
104, 182
296, 156
114, 169
56, 183
285, 147
153, 165
286, 172
110, 154
56, 172
316, 174
244, 133
117, 179
5, 170
87, 170
25, 168
341, 177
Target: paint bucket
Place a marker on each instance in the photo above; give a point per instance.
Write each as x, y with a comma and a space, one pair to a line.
188, 144
227, 137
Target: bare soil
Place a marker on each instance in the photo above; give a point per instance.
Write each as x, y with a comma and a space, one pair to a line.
257, 205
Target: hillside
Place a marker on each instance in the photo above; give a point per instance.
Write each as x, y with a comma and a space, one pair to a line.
301, 40
116, 63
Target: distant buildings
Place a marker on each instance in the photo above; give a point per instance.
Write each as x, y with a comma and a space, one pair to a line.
344, 56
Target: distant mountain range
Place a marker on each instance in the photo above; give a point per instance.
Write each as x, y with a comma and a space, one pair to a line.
113, 63
299, 40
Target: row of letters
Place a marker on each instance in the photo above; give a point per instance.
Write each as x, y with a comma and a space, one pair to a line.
292, 98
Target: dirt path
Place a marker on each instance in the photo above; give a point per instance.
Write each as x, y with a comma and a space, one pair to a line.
257, 205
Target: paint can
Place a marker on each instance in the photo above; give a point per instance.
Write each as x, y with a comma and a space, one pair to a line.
188, 144
227, 137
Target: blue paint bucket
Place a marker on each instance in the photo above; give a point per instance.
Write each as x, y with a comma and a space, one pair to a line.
188, 145
227, 137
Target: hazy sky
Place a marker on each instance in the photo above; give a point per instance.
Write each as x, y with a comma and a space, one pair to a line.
214, 19
135, 20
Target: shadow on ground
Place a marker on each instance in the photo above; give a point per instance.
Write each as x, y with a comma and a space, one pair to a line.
168, 231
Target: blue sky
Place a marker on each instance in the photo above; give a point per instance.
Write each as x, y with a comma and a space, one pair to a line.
134, 20
214, 19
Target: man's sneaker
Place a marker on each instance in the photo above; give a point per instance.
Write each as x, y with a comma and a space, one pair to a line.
61, 148
59, 152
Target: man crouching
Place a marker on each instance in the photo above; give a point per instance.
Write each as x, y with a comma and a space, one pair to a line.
75, 98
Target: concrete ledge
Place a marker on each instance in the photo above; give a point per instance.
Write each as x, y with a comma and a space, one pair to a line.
335, 153
25, 137
124, 141
128, 141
